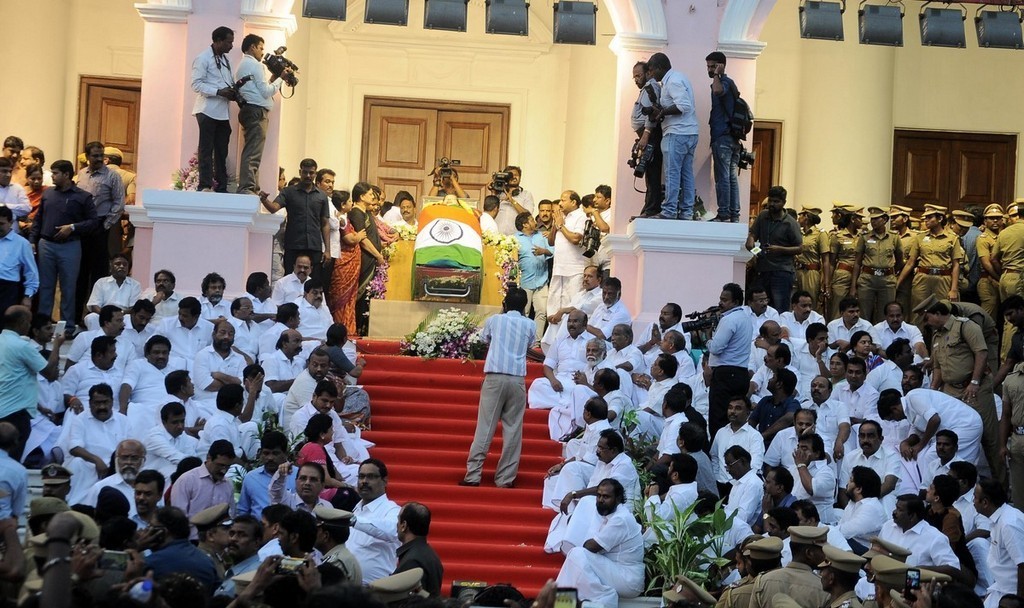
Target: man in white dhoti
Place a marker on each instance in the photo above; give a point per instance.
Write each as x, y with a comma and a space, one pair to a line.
579, 455
565, 357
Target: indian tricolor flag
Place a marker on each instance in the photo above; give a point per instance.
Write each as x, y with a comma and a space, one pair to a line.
448, 237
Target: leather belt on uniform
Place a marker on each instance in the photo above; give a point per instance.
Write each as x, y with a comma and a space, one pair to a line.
934, 271
800, 266
1009, 271
878, 272
1018, 430
844, 266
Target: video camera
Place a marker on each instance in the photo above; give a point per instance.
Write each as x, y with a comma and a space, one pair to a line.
640, 159
747, 158
499, 180
445, 164
703, 319
277, 63
591, 239
237, 88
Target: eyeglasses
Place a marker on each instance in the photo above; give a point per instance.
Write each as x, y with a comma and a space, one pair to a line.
729, 465
368, 476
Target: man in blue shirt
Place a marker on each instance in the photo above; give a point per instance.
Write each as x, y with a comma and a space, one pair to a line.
729, 354
725, 149
775, 412
534, 254
13, 476
175, 553
19, 277
255, 495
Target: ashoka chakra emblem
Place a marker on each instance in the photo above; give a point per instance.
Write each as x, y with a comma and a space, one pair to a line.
446, 231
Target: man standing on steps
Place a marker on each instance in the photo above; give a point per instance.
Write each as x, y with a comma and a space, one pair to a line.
503, 394
374, 537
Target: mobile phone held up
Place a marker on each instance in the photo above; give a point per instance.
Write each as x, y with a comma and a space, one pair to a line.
566, 597
913, 582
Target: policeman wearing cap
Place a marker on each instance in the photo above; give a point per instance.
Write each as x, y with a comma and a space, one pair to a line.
988, 279
813, 265
756, 556
934, 259
899, 219
1009, 252
844, 255
891, 579
684, 592
56, 481
966, 225
396, 589
333, 527
839, 575
212, 524
879, 257
797, 578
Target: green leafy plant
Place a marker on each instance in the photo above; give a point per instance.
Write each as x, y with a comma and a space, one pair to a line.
686, 544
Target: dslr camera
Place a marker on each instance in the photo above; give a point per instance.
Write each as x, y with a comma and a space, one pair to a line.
640, 159
747, 158
703, 319
445, 164
499, 180
277, 63
591, 239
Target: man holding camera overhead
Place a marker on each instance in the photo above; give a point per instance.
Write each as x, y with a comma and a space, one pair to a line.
255, 102
514, 200
213, 84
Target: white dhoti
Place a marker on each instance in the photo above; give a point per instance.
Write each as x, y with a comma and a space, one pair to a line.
600, 580
572, 478
979, 548
44, 435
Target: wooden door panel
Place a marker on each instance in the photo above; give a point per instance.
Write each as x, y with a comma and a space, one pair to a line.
399, 148
764, 172
475, 140
109, 112
980, 169
925, 165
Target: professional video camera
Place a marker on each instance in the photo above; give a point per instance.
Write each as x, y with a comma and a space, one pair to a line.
499, 180
237, 88
591, 239
747, 158
640, 159
703, 319
445, 165
277, 63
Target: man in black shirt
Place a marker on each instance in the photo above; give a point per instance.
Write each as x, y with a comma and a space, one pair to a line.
775, 239
309, 215
413, 526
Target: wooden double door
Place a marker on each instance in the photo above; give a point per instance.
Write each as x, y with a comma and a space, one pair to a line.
404, 139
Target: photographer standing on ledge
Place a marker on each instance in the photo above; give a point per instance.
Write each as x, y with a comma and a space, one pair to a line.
514, 200
214, 86
725, 149
257, 99
650, 92
729, 350
780, 241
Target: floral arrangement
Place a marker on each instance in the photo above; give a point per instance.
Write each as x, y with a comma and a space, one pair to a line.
405, 232
187, 178
449, 333
506, 255
378, 287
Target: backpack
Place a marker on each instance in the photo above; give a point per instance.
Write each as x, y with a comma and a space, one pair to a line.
742, 119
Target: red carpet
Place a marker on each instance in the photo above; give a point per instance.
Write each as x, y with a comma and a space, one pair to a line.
424, 416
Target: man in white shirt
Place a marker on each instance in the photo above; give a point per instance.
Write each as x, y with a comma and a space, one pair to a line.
810, 358
928, 412
289, 287
863, 516
212, 302
977, 527
247, 329
747, 488
111, 323
587, 299
188, 332
861, 400
167, 443
142, 391
929, 547
849, 322
138, 326
945, 454
118, 289
514, 200
623, 355
284, 364
611, 312
314, 317
758, 310
219, 364
225, 421
884, 461
163, 296
833, 418
800, 316
889, 375
374, 538
287, 317
212, 82
101, 368
780, 450
259, 292
893, 326
566, 235
129, 459
91, 440
580, 456
258, 95
563, 359
649, 341
651, 419
1006, 557
736, 433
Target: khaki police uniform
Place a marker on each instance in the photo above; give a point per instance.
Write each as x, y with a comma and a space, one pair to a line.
903, 290
738, 594
844, 254
880, 257
1013, 398
847, 600
934, 257
1009, 251
988, 283
953, 348
810, 264
796, 579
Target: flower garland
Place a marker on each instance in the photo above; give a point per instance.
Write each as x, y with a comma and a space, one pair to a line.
187, 178
378, 287
506, 255
449, 333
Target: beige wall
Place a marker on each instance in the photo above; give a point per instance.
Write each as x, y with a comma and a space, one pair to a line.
840, 101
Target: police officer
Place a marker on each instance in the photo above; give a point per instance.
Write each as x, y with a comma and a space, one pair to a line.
758, 555
839, 574
899, 217
684, 592
891, 578
212, 525
961, 369
813, 265
796, 579
934, 258
1011, 433
879, 258
844, 255
963, 226
1009, 252
988, 281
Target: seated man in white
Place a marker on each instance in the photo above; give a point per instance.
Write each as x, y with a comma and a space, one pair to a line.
737, 433
139, 326
769, 334
864, 514
861, 400
100, 368
682, 475
167, 443
164, 298
284, 364
813, 478
758, 310
259, 292
118, 289
929, 547
777, 357
893, 326
566, 417
579, 456
264, 410
587, 301
129, 459
849, 322
606, 385
609, 564
977, 527
611, 312
289, 287
833, 419
928, 412
142, 391
314, 317
344, 449
576, 509
807, 515
219, 364
747, 488
946, 447
110, 323
224, 424
188, 332
317, 365
566, 357
898, 357
780, 451
652, 389
247, 328
649, 341
800, 316
179, 388
676, 409
92, 438
883, 460
623, 355
809, 354
675, 343
212, 301
287, 317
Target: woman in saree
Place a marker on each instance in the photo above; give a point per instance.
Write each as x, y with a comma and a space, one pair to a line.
360, 218
343, 284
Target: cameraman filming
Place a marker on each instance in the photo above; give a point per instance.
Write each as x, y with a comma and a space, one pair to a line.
514, 200
446, 181
729, 350
643, 107
213, 84
257, 99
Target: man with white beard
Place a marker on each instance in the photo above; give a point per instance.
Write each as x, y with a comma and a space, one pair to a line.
129, 457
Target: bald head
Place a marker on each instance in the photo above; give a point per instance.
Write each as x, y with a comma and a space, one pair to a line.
8, 436
290, 342
771, 331
18, 319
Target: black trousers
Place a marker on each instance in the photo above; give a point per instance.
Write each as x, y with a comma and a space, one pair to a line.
10, 294
727, 381
655, 191
214, 136
95, 266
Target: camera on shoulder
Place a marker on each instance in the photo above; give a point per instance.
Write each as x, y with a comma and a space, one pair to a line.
277, 63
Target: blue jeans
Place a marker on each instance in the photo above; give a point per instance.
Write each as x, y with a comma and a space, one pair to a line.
779, 284
725, 155
677, 151
59, 260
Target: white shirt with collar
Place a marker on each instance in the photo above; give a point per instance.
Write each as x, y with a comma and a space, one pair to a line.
643, 337
928, 545
277, 366
247, 336
585, 447
166, 308
207, 362
118, 483
487, 224
921, 404
629, 354
678, 497
568, 258
606, 318
667, 444
222, 425
885, 376
798, 329
883, 335
209, 74
137, 339
745, 497
862, 519
970, 516
831, 414
756, 321
747, 438
263, 307
837, 330
823, 488
185, 342
374, 537
1006, 554
82, 376
586, 301
80, 350
106, 291
313, 322
287, 289
935, 467
780, 450
761, 378
213, 311
860, 403
164, 452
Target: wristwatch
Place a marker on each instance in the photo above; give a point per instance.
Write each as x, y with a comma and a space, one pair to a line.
976, 382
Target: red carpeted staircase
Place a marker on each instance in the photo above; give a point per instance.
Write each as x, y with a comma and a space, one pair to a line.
424, 416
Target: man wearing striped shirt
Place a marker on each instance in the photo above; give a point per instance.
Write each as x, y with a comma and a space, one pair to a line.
503, 394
